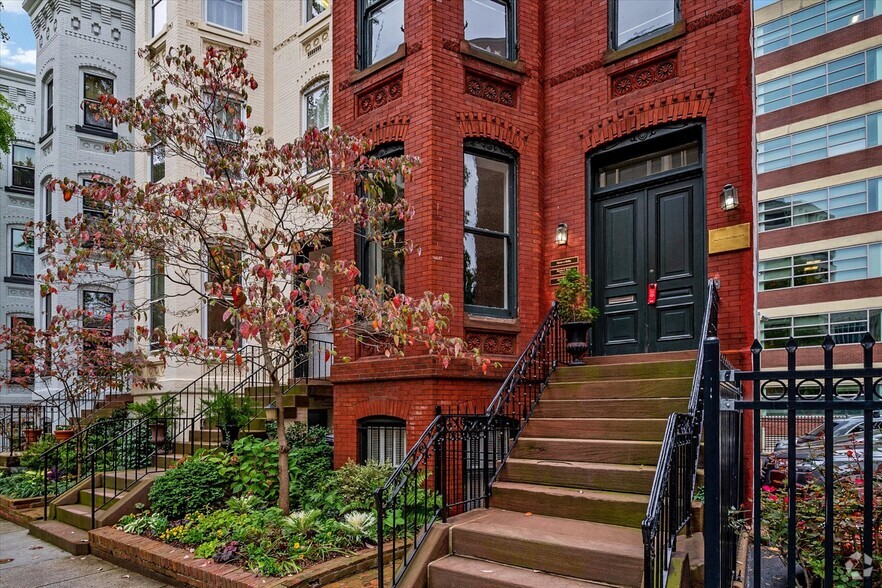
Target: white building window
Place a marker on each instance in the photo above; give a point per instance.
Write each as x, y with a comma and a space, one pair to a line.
382, 440
314, 8
95, 86
316, 105
229, 14
21, 255
158, 16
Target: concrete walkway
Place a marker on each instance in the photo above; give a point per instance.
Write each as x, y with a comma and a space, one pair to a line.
27, 562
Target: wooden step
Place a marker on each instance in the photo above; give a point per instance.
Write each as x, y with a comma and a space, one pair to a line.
464, 572
101, 496
612, 508
588, 450
67, 537
597, 428
610, 389
589, 476
76, 515
577, 549
681, 368
642, 357
650, 408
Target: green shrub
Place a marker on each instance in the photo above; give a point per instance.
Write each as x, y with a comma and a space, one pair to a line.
192, 486
253, 468
30, 485
310, 461
356, 484
30, 457
299, 435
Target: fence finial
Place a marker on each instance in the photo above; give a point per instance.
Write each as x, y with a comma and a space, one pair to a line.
868, 341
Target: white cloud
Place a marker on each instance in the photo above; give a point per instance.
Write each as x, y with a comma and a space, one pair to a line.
16, 57
13, 6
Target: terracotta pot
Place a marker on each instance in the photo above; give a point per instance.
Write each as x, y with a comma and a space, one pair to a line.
32, 435
577, 340
62, 435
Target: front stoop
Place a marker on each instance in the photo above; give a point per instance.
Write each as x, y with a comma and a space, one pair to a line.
569, 501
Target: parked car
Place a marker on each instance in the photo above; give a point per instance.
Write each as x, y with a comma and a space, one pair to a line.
842, 427
847, 449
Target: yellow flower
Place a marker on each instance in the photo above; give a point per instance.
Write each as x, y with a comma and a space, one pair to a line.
297, 546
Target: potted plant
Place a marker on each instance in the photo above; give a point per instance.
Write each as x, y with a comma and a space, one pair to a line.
158, 413
31, 432
63, 433
573, 297
229, 413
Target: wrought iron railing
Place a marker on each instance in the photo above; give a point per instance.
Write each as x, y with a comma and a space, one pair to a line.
138, 449
452, 466
670, 500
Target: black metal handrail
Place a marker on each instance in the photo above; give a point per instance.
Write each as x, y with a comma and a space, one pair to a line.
452, 466
669, 509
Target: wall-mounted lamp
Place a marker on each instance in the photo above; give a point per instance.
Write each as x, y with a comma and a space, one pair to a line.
729, 197
560, 236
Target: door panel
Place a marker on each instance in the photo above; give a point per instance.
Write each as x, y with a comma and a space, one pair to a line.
649, 235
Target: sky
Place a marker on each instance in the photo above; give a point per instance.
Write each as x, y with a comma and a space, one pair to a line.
20, 51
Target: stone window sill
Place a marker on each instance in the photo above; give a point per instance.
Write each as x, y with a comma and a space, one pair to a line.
515, 66
97, 132
358, 75
19, 280
20, 190
490, 324
614, 55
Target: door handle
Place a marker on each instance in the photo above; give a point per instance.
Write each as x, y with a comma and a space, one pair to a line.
652, 293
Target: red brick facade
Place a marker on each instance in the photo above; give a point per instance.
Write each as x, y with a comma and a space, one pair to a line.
564, 97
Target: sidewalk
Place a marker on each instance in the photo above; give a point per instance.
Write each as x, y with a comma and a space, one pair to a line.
27, 562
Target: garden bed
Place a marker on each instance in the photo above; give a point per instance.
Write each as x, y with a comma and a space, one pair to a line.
21, 511
178, 566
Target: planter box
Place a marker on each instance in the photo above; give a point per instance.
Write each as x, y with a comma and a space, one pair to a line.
177, 566
21, 511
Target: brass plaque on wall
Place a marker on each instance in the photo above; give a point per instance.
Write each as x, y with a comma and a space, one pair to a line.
564, 262
728, 238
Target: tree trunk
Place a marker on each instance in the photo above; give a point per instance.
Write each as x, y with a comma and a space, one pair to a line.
284, 477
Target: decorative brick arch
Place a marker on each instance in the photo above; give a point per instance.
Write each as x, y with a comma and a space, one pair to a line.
390, 130
489, 126
392, 408
690, 105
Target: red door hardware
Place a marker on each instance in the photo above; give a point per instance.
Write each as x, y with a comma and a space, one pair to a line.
652, 293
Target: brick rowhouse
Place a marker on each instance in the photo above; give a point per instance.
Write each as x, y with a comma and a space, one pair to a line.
566, 97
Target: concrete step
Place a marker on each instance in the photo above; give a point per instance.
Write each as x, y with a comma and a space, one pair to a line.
213, 436
102, 496
639, 369
577, 549
76, 515
612, 508
167, 460
464, 572
598, 428
67, 537
610, 389
588, 476
9, 460
636, 408
642, 357
588, 450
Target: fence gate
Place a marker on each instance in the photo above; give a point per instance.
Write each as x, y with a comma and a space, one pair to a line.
816, 499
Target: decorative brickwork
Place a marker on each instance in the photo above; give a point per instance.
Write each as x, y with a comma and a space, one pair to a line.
491, 343
492, 90
392, 129
645, 75
575, 72
715, 17
379, 95
487, 126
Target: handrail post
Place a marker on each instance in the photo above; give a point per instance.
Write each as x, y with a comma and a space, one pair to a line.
440, 460
712, 515
94, 501
378, 500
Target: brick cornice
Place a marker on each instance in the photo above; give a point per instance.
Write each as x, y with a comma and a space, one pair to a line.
690, 105
392, 129
489, 126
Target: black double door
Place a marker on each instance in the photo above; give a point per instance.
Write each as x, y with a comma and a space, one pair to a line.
649, 260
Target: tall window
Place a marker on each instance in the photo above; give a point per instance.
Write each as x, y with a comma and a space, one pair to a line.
47, 203
93, 208
157, 304
380, 256
21, 358
224, 270
22, 255
225, 13
158, 16
99, 311
634, 21
490, 26
224, 112
157, 162
314, 8
23, 167
316, 100
489, 273
382, 440
50, 104
382, 29
94, 86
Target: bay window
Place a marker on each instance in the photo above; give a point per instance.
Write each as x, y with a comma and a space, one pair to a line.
228, 14
382, 29
634, 21
490, 26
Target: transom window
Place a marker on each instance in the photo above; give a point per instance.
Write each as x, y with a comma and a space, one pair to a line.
830, 140
316, 100
633, 21
845, 327
23, 167
820, 205
21, 253
837, 265
382, 29
812, 22
647, 165
313, 8
380, 255
158, 16
490, 26
95, 86
489, 264
820, 80
228, 14
382, 440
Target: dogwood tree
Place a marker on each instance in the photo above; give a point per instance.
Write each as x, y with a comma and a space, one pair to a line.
232, 237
